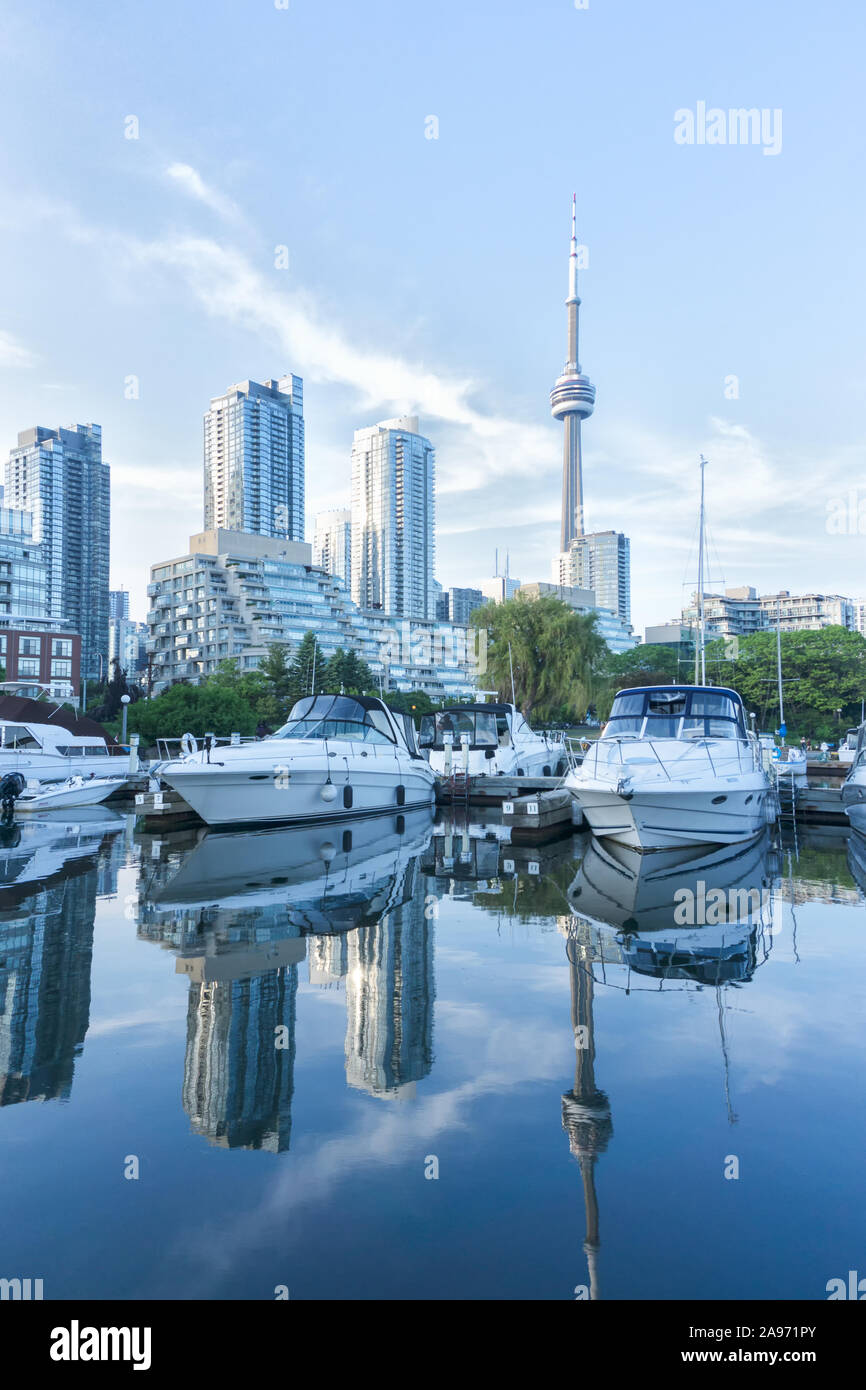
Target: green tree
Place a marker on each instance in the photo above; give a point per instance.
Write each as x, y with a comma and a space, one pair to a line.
346, 671
276, 671
306, 664
823, 678
556, 654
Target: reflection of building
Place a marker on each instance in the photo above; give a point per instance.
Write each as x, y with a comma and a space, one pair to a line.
238, 1082
45, 951
327, 959
389, 998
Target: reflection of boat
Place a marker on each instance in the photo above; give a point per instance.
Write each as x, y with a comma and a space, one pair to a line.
856, 849
674, 766
39, 849
488, 740
623, 888
321, 878
705, 918
337, 756
75, 791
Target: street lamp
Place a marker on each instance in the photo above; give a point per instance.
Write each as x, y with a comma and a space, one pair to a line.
124, 700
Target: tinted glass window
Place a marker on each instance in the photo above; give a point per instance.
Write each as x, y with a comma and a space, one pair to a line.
627, 704
669, 702
720, 706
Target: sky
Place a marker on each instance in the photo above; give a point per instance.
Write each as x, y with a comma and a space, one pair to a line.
157, 156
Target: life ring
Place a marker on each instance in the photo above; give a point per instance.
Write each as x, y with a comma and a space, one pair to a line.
188, 745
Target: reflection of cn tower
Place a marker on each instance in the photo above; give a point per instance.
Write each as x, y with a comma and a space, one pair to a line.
585, 1109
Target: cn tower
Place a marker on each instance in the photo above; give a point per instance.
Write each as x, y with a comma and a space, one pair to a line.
572, 400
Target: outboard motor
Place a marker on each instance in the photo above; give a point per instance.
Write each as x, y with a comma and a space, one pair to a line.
12, 785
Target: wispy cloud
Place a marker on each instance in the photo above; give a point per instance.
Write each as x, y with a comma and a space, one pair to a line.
190, 181
13, 353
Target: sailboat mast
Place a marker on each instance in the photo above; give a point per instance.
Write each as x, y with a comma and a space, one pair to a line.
779, 663
700, 653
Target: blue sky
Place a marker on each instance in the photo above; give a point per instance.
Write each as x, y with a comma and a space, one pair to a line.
429, 275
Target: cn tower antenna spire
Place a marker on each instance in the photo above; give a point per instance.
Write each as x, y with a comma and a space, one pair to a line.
572, 400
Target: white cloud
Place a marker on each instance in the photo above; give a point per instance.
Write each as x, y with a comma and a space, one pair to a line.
190, 182
13, 353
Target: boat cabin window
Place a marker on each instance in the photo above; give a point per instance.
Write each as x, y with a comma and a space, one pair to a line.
479, 725
626, 716
337, 716
675, 714
81, 750
18, 736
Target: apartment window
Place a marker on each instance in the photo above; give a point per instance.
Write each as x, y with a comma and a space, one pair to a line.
61, 646
29, 646
61, 669
28, 666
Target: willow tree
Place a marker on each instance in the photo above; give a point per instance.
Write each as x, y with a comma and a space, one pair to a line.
554, 653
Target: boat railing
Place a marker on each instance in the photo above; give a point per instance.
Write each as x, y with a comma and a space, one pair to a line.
691, 760
168, 749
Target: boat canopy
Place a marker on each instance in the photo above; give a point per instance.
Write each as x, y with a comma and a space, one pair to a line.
486, 726
358, 718
677, 712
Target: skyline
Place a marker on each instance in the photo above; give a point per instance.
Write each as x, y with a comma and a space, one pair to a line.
154, 258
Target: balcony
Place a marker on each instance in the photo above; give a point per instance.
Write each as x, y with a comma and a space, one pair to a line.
153, 590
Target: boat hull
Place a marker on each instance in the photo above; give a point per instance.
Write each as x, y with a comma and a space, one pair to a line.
854, 800
228, 797
662, 818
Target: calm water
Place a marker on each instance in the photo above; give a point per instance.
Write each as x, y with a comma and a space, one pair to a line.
287, 1032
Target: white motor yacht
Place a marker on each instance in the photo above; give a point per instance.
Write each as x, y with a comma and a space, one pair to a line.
50, 753
337, 756
675, 765
854, 786
488, 740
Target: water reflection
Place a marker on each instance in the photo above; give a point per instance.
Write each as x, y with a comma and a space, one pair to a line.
242, 911
50, 874
239, 912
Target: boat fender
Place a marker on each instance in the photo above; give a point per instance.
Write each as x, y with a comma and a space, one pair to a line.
328, 792
188, 745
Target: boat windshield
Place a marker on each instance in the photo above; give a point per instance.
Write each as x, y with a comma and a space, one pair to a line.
338, 717
478, 725
689, 714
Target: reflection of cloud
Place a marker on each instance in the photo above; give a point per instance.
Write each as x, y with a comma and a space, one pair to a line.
511, 1055
13, 353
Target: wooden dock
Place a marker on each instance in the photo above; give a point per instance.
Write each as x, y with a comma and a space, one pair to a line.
164, 810
486, 791
541, 815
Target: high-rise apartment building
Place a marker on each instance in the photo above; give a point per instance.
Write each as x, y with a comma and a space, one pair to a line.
254, 459
332, 544
393, 521
118, 604
599, 561
59, 477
